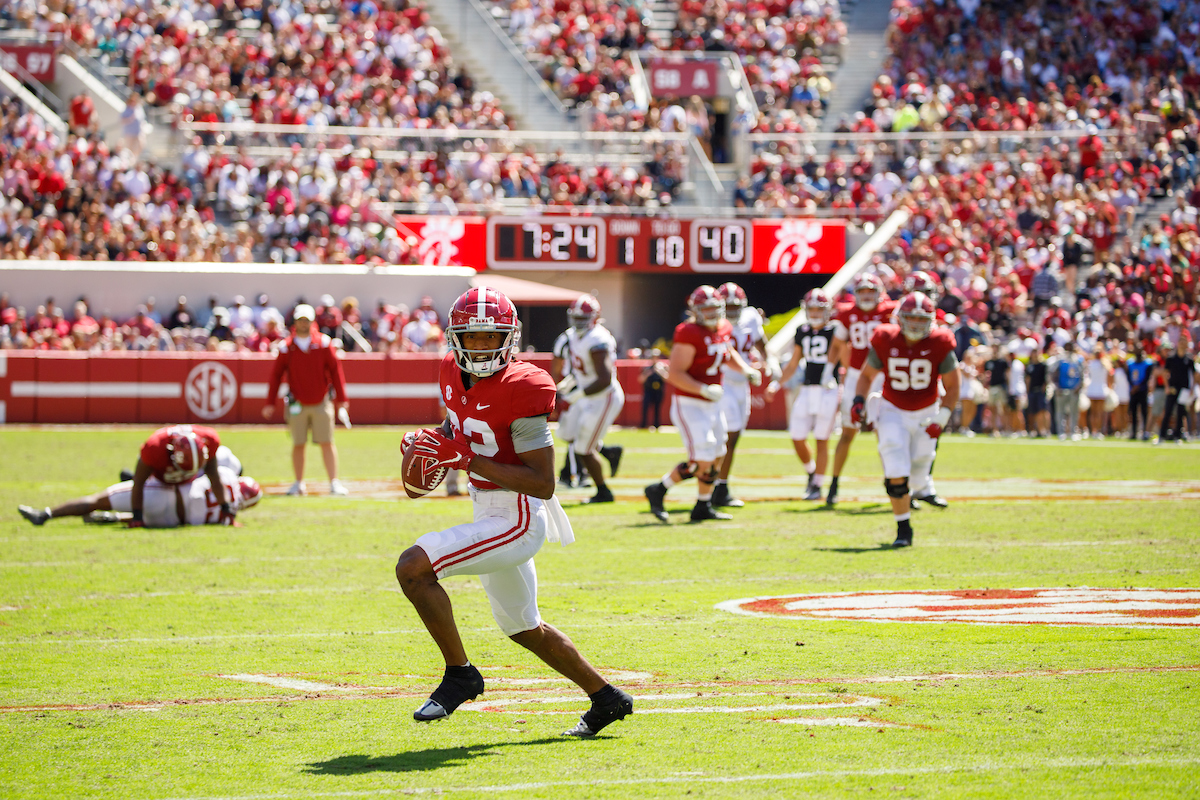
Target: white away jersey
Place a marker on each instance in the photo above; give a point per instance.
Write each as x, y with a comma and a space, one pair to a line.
581, 344
747, 329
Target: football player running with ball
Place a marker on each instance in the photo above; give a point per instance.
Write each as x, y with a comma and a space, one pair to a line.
496, 430
700, 347
815, 408
854, 325
592, 389
912, 356
749, 340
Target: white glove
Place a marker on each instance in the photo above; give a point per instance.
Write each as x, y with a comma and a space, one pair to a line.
772, 369
574, 396
566, 384
755, 378
712, 392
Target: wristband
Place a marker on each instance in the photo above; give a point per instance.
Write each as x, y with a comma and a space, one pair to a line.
858, 398
137, 515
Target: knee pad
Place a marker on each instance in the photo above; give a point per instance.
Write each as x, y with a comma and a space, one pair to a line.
895, 489
687, 469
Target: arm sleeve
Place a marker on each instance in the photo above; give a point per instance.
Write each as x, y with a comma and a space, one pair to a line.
949, 363
531, 433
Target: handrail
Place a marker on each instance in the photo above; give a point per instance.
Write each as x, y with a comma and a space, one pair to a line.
47, 97
521, 58
917, 135
265, 128
673, 212
97, 70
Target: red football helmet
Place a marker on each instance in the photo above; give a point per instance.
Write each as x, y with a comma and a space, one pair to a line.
867, 291
917, 314
187, 451
924, 283
584, 312
734, 297
250, 491
483, 310
818, 307
707, 306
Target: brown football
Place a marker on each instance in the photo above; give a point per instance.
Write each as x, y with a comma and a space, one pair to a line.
417, 479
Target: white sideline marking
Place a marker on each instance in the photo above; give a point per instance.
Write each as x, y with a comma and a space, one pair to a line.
858, 701
692, 778
284, 683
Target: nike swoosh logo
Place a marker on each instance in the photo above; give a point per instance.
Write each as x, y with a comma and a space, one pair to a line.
481, 406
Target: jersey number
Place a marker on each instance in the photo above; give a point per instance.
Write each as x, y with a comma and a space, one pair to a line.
717, 350
907, 374
860, 333
483, 439
212, 514
815, 347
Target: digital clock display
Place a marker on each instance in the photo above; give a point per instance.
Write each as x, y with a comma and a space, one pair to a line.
698, 245
545, 242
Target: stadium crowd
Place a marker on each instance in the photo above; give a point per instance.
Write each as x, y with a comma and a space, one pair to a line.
235, 327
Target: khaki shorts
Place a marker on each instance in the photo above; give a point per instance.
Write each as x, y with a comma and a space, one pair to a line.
317, 417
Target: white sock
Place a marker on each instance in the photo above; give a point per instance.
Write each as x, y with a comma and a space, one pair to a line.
49, 513
719, 482
907, 515
818, 480
668, 481
810, 467
704, 498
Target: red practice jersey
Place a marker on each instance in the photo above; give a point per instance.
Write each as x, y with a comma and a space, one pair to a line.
154, 453
712, 348
856, 326
485, 412
911, 369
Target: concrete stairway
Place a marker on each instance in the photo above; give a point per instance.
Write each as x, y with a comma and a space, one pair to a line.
862, 60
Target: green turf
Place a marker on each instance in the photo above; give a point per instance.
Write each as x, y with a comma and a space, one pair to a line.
114, 642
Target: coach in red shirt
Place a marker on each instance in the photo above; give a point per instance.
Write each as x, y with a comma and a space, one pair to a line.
312, 369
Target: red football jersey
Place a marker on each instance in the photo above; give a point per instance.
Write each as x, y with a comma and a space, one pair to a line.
858, 325
485, 412
712, 348
154, 453
911, 369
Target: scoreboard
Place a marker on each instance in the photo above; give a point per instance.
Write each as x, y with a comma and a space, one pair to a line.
640, 244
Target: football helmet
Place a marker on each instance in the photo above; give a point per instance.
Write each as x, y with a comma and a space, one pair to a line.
188, 451
707, 306
584, 312
916, 313
250, 492
818, 307
734, 297
483, 310
867, 291
923, 282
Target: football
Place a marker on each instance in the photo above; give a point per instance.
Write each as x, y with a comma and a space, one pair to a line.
418, 479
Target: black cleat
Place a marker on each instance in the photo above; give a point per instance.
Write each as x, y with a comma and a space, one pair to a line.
458, 685
599, 717
902, 541
613, 456
914, 503
126, 475
603, 495
933, 500
723, 499
565, 479
37, 516
703, 510
656, 493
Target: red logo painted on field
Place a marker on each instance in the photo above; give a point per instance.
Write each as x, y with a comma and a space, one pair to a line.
1133, 608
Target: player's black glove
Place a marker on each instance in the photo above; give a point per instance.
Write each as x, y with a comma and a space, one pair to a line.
858, 410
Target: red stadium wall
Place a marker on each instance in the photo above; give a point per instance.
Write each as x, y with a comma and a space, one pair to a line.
229, 388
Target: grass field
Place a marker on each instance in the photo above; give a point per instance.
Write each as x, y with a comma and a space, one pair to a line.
279, 659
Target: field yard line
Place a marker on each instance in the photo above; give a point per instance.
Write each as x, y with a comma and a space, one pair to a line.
684, 780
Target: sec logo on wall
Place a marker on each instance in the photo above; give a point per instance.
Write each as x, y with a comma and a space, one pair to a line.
210, 390
1131, 608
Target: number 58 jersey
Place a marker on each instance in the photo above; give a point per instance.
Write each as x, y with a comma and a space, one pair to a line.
712, 348
911, 369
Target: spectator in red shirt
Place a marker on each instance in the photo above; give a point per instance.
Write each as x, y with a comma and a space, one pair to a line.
313, 370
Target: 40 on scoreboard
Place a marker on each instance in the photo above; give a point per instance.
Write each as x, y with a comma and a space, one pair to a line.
643, 244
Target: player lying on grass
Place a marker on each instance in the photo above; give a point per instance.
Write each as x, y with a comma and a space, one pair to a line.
164, 505
497, 431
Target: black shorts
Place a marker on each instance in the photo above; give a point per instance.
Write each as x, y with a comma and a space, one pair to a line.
1037, 402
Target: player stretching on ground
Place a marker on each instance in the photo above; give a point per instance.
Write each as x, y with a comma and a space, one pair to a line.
749, 341
497, 431
165, 505
593, 391
912, 356
700, 347
815, 408
854, 325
